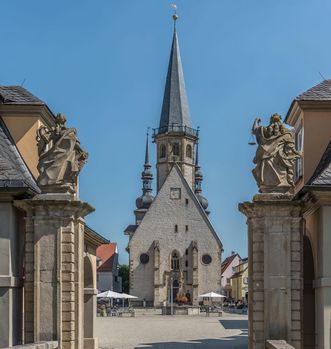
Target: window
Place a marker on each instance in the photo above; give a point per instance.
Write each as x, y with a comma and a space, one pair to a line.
186, 202
186, 263
186, 251
174, 261
175, 193
175, 149
144, 258
189, 151
299, 147
176, 228
163, 151
186, 228
206, 259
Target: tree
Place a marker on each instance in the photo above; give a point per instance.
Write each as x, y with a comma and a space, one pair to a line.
123, 271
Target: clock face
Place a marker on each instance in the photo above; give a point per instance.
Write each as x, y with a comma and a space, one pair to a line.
175, 193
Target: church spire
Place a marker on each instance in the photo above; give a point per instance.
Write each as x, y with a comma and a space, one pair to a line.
144, 201
175, 109
198, 181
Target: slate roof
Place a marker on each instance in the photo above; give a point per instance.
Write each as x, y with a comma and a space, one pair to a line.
131, 228
320, 92
94, 237
175, 109
322, 174
18, 95
14, 173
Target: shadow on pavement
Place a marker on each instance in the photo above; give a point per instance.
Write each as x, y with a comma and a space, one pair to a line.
233, 342
234, 324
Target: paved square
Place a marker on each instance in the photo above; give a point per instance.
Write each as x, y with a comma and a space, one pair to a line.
176, 332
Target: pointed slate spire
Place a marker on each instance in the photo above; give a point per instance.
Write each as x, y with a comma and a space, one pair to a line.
175, 109
146, 199
198, 181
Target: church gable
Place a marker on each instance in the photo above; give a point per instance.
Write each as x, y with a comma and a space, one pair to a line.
175, 212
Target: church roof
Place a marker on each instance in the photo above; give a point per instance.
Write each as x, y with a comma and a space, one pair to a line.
175, 109
322, 174
319, 92
194, 199
14, 173
18, 95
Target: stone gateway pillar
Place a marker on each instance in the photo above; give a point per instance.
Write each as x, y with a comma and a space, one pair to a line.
275, 230
275, 273
54, 269
54, 242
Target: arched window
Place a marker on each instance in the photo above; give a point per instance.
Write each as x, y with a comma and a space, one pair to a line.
189, 151
174, 261
175, 149
163, 151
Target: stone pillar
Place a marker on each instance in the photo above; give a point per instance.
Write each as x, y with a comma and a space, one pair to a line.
54, 269
323, 275
157, 279
275, 269
195, 264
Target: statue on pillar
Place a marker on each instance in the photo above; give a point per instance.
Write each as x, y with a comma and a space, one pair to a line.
61, 157
275, 156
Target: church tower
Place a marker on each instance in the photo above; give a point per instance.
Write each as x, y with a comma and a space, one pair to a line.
175, 252
175, 138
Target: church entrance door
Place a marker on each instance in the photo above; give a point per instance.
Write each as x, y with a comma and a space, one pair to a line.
175, 289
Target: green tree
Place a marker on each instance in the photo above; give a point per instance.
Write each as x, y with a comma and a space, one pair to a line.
124, 273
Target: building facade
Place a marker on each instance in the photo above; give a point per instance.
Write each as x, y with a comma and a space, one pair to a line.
239, 281
227, 270
174, 249
289, 224
41, 298
107, 268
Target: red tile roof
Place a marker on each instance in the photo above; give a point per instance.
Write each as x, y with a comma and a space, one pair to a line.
106, 253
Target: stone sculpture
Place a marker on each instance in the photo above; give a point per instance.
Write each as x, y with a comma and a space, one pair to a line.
60, 156
275, 156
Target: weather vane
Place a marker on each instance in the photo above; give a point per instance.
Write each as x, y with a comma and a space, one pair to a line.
174, 16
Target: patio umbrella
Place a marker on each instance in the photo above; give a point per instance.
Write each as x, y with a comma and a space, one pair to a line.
109, 294
128, 296
212, 295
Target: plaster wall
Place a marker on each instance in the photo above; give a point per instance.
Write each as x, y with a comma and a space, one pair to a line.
10, 276
317, 131
23, 130
228, 272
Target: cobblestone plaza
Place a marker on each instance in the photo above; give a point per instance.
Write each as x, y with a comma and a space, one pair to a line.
176, 332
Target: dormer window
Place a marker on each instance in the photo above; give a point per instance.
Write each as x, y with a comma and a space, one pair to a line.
189, 151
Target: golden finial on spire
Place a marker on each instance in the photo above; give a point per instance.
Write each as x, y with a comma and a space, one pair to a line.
174, 16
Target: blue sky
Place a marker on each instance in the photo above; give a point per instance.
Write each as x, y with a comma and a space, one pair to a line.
103, 64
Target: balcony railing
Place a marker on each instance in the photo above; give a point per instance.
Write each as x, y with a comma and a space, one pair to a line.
174, 128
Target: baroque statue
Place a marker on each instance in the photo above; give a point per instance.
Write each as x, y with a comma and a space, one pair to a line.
61, 157
275, 156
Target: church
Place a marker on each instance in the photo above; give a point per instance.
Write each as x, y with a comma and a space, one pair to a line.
173, 248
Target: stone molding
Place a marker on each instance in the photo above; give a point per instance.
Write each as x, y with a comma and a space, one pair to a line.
275, 223
275, 344
39, 345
